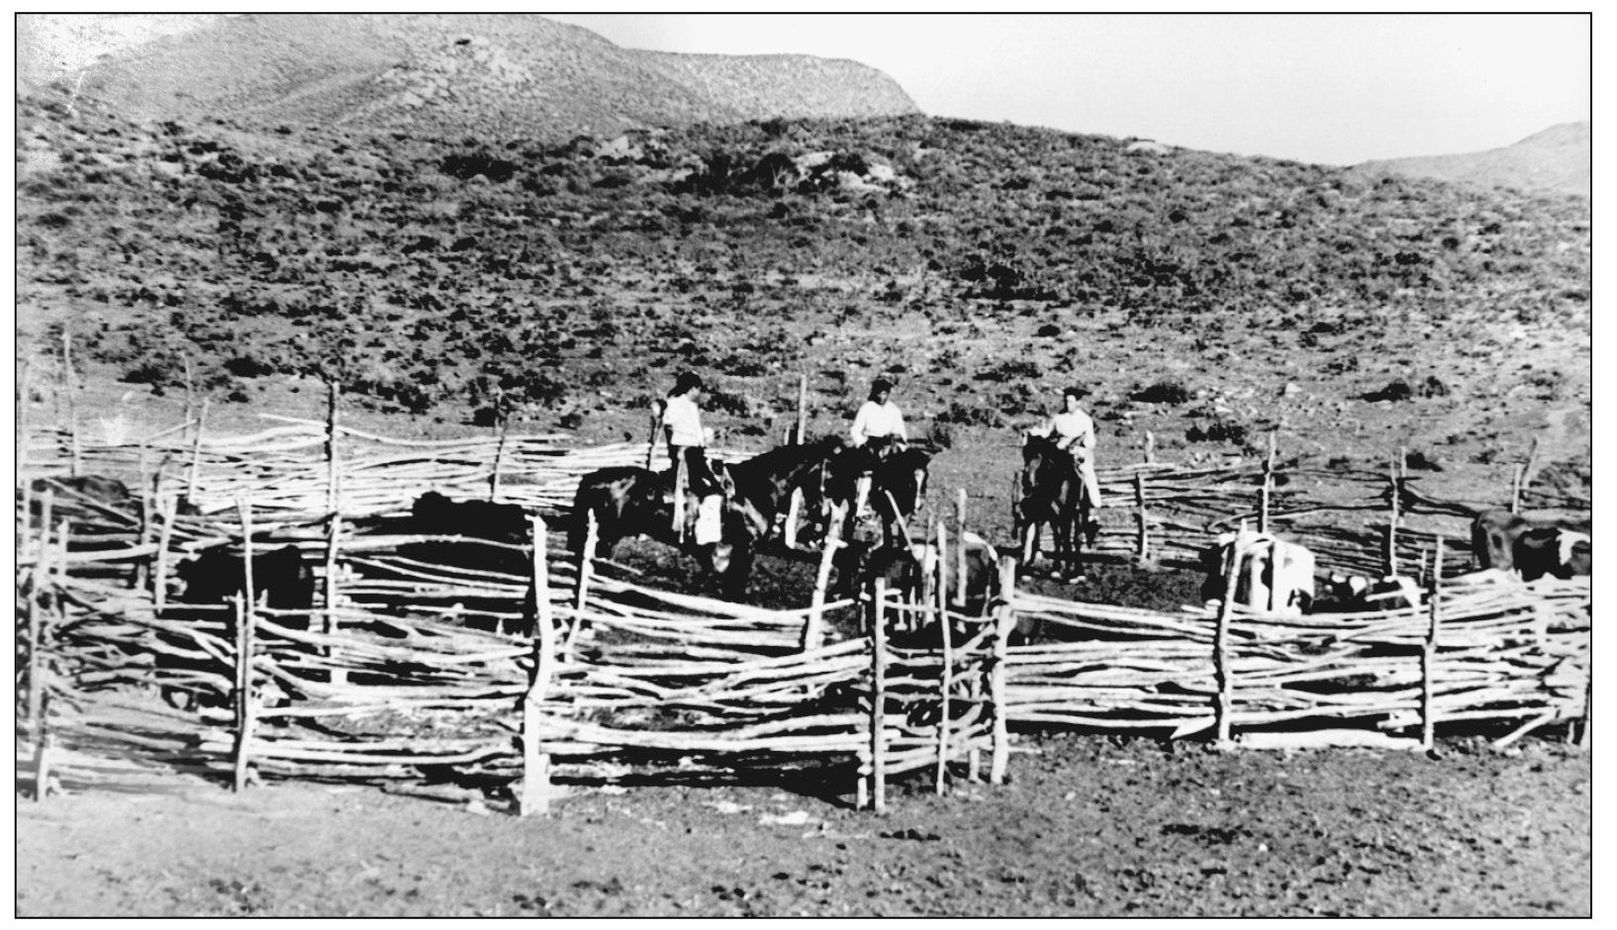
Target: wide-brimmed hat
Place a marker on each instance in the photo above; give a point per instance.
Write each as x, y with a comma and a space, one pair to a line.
881, 384
686, 381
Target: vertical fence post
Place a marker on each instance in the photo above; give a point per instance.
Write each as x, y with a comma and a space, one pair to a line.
141, 577
244, 610
1393, 516
1516, 488
1004, 621
196, 454
1142, 545
960, 548
814, 625
878, 698
244, 509
1221, 645
794, 513
160, 572
72, 400
1267, 493
656, 425
535, 796
334, 506
946, 676
499, 462
802, 408
1428, 662
581, 590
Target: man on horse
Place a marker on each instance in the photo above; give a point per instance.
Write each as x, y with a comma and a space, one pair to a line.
1073, 432
878, 429
687, 449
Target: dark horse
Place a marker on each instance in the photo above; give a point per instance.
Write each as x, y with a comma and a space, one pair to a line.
630, 501
897, 487
1053, 494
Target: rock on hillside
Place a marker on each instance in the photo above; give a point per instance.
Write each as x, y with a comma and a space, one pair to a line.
1556, 159
457, 74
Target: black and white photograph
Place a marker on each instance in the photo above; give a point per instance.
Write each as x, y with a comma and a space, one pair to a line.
803, 465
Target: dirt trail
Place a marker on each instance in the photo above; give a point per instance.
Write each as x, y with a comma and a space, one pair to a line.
1087, 826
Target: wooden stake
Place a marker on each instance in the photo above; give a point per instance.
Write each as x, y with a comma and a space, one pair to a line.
656, 427
1150, 448
141, 576
794, 511
1142, 546
499, 460
946, 679
1428, 656
333, 473
960, 548
535, 796
581, 590
1516, 488
245, 611
244, 509
160, 573
1004, 622
72, 400
1393, 518
1268, 486
802, 407
196, 454
814, 625
878, 699
1221, 658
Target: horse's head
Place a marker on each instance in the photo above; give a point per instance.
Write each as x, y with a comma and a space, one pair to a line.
903, 475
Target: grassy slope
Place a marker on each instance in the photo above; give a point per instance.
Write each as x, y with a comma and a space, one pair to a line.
429, 274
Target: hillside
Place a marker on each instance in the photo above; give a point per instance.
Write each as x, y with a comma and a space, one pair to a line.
1205, 297
1556, 159
458, 74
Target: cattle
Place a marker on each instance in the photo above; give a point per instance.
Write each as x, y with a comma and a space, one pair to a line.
912, 571
1511, 542
433, 514
1353, 593
1278, 574
281, 577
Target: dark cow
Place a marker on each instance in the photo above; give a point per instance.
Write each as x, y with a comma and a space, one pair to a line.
1510, 542
281, 577
433, 514
95, 488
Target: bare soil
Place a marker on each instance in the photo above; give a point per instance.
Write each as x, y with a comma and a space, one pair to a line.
1086, 826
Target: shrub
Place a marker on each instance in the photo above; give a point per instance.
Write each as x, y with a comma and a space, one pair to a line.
1163, 392
1219, 430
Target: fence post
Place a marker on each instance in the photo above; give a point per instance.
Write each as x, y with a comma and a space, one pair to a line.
499, 461
160, 573
141, 577
1267, 493
802, 407
878, 698
946, 677
1428, 661
244, 509
1393, 518
794, 513
960, 548
244, 610
196, 454
1150, 448
1221, 658
334, 519
581, 590
1142, 547
535, 796
1004, 620
1516, 488
72, 400
813, 626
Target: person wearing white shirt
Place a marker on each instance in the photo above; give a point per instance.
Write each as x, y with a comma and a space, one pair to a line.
1073, 432
878, 428
682, 425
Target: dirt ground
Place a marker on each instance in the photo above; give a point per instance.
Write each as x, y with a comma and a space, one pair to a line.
1086, 826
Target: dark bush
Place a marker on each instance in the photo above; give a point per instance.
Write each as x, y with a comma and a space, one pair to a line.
1218, 431
1163, 392
1395, 391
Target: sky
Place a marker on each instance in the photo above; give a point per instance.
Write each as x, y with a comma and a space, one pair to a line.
1333, 89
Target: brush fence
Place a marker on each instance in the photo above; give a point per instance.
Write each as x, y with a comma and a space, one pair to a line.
409, 664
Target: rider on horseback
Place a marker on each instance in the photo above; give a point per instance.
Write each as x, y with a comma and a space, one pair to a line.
878, 429
687, 442
1073, 432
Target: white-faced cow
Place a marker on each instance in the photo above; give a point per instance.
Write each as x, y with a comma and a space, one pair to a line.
1511, 542
1272, 574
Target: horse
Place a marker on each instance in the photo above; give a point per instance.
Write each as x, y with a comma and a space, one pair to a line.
897, 487
1053, 493
631, 501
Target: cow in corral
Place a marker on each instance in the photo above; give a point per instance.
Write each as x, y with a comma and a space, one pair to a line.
1278, 575
282, 578
433, 514
912, 571
1356, 593
1511, 542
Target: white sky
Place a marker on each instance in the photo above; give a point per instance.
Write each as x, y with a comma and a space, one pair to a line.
1336, 89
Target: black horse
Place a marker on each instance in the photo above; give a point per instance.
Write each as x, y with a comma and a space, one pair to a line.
897, 487
631, 501
1053, 494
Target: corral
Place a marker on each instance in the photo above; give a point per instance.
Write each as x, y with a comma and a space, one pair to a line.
391, 674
